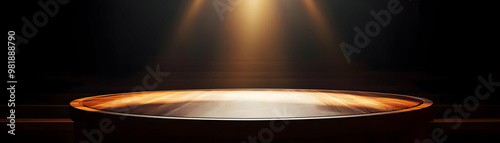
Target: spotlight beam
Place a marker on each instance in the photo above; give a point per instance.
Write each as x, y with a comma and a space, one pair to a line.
252, 40
186, 23
322, 26
183, 28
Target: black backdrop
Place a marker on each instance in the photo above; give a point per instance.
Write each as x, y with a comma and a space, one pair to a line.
436, 50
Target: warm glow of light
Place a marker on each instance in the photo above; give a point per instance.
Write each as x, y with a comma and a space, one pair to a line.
253, 17
254, 26
252, 38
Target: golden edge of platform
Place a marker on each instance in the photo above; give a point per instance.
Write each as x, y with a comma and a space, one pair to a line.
425, 103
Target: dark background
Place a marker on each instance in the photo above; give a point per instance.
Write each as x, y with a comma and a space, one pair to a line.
434, 49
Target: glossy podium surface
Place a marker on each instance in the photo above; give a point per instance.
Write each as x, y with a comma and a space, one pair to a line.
235, 114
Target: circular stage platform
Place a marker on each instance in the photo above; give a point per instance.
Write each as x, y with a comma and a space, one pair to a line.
248, 115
